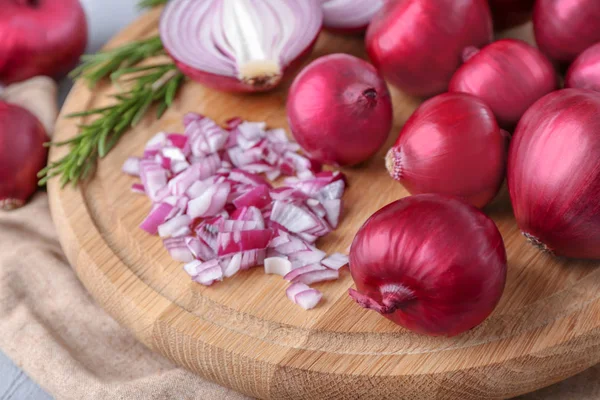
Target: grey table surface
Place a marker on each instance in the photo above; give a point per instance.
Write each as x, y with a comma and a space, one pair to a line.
105, 18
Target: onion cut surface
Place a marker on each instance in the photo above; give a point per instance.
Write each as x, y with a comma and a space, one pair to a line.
241, 45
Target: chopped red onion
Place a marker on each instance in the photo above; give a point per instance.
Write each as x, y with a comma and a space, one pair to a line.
278, 266
172, 226
132, 166
317, 276
240, 241
158, 216
335, 261
199, 248
221, 220
138, 188
304, 296
295, 273
178, 249
308, 299
258, 197
233, 265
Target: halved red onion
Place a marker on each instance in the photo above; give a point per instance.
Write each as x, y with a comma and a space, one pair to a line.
349, 16
241, 45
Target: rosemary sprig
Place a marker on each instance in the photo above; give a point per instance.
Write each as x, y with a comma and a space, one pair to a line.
151, 3
151, 85
95, 67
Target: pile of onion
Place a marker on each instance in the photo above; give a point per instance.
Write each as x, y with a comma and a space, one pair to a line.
509, 75
584, 73
417, 44
554, 173
451, 145
565, 28
509, 13
40, 37
22, 155
339, 109
349, 16
240, 45
217, 213
430, 263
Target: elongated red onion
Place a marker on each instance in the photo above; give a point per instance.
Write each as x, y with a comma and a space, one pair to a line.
584, 73
451, 145
554, 173
22, 155
509, 75
509, 13
440, 270
239, 45
40, 37
340, 110
349, 16
417, 44
565, 28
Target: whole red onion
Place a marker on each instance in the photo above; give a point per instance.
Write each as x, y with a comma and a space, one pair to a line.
40, 37
417, 44
509, 13
22, 155
554, 173
509, 75
430, 263
451, 145
584, 73
565, 28
242, 45
340, 110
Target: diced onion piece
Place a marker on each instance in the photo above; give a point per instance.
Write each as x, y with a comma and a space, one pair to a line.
295, 273
335, 261
157, 217
131, 166
294, 218
308, 299
278, 266
317, 276
240, 241
172, 226
178, 249
233, 266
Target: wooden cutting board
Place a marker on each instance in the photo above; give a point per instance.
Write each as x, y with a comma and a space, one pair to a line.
243, 333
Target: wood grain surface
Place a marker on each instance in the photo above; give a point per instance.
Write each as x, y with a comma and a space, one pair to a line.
243, 333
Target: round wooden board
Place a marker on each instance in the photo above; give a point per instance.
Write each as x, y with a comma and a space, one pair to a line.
243, 333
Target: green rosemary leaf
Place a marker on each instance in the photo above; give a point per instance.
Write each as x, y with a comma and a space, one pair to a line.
153, 85
151, 3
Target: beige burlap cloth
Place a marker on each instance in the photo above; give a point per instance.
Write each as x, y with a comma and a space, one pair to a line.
54, 331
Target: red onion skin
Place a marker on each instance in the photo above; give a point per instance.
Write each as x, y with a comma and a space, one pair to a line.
417, 44
22, 155
448, 257
509, 75
451, 145
231, 84
40, 37
584, 73
554, 173
565, 28
340, 110
510, 13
